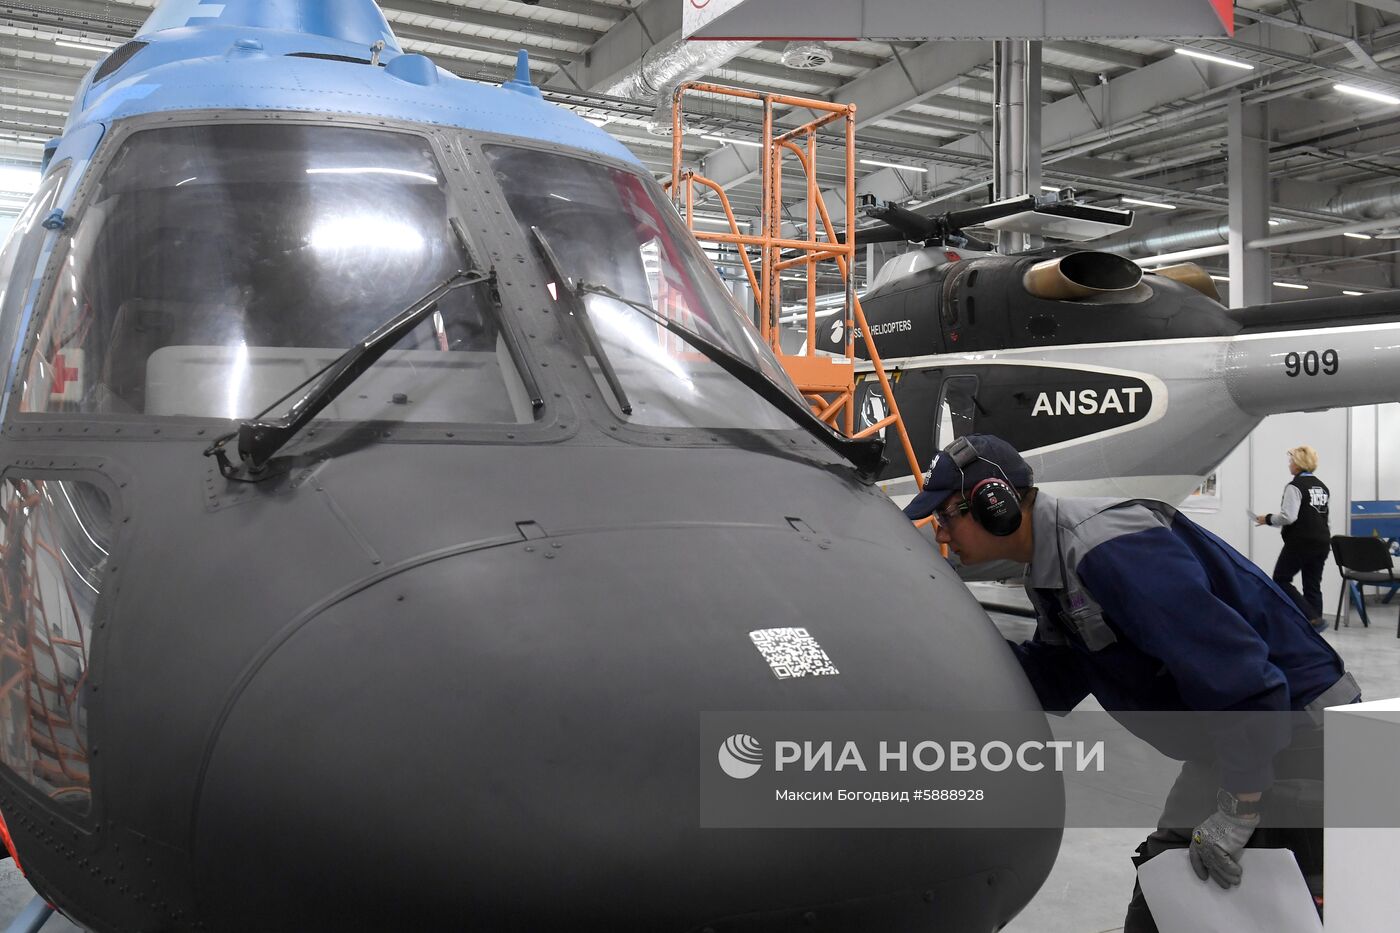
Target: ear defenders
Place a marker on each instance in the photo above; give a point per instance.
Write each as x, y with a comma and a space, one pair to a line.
993, 502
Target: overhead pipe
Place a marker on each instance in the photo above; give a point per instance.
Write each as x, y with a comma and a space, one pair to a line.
1193, 234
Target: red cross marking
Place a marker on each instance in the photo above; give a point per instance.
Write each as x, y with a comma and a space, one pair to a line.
62, 374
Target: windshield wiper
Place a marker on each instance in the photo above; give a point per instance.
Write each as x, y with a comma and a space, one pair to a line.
259, 440
866, 454
585, 323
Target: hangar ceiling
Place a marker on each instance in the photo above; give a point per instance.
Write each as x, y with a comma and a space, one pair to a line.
1131, 118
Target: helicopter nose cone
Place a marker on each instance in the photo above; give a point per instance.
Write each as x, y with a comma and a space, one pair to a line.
509, 739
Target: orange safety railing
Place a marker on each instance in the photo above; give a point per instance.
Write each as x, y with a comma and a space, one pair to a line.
828, 383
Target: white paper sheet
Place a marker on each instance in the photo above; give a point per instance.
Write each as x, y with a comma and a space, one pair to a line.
1271, 898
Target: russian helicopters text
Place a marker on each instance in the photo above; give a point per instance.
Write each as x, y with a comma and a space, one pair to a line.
372, 542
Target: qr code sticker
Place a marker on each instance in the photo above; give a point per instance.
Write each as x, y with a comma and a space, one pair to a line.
792, 652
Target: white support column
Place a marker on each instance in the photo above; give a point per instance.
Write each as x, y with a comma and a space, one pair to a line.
1016, 116
874, 259
1032, 176
1249, 202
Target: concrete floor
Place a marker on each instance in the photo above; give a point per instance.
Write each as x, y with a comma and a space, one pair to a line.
1089, 887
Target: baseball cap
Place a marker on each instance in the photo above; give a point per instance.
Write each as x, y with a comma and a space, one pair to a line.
965, 463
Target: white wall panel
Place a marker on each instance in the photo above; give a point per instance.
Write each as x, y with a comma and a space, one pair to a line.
1229, 521
1364, 444
1387, 451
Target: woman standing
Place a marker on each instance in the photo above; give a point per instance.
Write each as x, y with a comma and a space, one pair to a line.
1306, 533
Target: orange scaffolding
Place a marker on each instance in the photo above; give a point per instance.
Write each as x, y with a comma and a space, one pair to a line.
827, 382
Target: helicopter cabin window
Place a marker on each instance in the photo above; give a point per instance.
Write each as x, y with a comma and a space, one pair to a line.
218, 267
957, 410
53, 548
616, 236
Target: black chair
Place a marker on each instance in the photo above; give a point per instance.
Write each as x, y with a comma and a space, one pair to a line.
1364, 562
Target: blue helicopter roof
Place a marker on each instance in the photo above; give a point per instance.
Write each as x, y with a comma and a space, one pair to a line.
358, 22
272, 55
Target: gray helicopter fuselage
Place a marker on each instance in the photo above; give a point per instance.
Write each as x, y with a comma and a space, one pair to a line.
442, 662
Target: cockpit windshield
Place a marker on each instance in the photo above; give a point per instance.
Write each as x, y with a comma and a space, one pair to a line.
217, 266
610, 227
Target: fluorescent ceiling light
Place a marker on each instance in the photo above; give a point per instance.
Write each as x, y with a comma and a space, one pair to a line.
1274, 223
1291, 285
599, 121
907, 168
1358, 236
1170, 207
1049, 188
1181, 256
1217, 59
1346, 291
733, 142
711, 220
84, 45
1368, 95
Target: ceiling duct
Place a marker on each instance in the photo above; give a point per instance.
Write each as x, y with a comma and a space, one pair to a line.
665, 68
1348, 204
806, 55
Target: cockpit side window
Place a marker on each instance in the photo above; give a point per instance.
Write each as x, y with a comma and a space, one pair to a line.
611, 227
215, 267
21, 252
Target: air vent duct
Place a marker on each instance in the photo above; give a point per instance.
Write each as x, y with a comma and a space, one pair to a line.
114, 61
807, 55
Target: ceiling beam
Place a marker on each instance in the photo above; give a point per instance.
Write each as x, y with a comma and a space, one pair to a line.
944, 124
1122, 58
471, 16
582, 7
652, 24
544, 55
1168, 81
96, 14
762, 69
20, 80
1385, 6
911, 77
31, 46
838, 56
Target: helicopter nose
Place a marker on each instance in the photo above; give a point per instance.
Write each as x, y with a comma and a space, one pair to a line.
510, 737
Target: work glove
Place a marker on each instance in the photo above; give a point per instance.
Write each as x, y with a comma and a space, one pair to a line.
1216, 846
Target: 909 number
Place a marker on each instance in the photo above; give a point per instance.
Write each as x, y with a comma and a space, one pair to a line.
1312, 363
